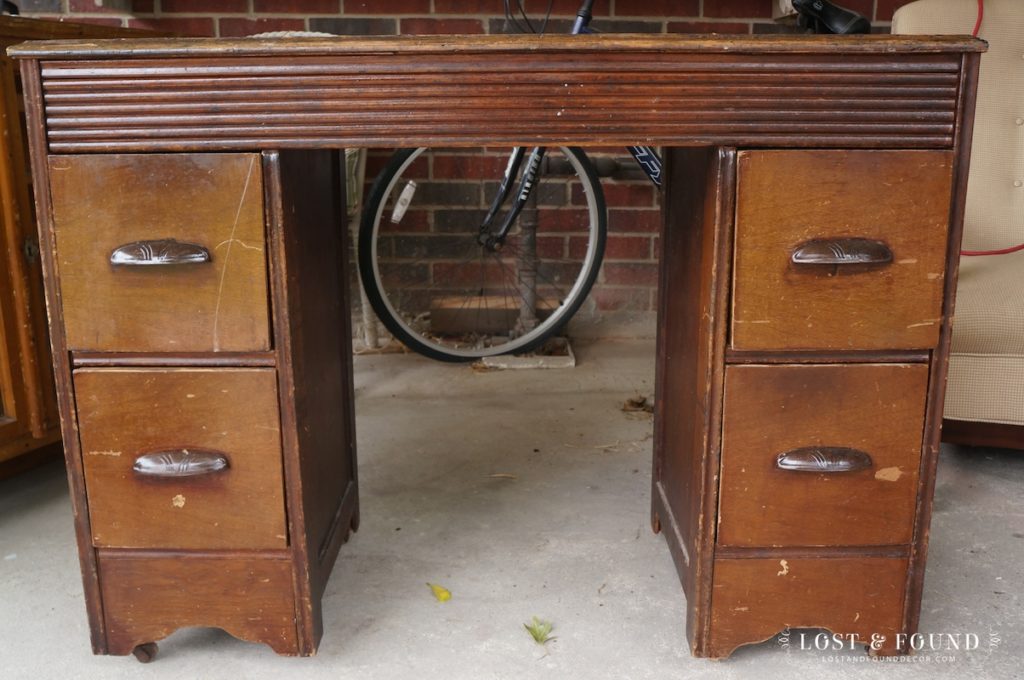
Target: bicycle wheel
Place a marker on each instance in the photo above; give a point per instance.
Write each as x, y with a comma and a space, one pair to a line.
445, 293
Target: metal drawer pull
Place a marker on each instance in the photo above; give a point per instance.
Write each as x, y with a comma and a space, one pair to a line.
165, 251
842, 251
823, 459
180, 463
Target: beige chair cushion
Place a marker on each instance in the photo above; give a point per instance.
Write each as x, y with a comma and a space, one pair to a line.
995, 193
986, 371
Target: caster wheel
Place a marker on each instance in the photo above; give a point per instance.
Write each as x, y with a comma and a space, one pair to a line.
145, 652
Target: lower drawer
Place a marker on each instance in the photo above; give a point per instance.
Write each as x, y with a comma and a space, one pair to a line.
182, 458
148, 597
821, 455
753, 599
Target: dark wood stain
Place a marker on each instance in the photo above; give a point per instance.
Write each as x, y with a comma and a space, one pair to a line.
865, 105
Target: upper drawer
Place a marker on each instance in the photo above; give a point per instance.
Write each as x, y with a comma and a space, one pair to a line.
189, 273
821, 455
840, 250
182, 458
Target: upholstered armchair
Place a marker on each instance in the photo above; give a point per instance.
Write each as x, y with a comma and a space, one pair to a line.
985, 393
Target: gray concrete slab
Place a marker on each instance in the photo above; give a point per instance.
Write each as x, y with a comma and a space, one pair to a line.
526, 494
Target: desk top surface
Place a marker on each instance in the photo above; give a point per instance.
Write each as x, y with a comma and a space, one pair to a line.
670, 43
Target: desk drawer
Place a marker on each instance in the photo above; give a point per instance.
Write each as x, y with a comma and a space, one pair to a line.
840, 250
161, 252
226, 492
868, 417
753, 599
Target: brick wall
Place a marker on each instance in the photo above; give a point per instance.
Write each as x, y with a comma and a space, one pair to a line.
628, 278
365, 17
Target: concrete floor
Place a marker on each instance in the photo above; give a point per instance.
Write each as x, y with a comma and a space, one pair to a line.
526, 494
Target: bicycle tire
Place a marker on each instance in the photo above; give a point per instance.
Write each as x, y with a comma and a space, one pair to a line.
409, 322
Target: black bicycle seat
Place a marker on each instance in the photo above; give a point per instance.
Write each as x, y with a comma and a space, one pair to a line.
822, 16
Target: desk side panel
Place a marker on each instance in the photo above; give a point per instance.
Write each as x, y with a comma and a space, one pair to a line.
58, 345
693, 306
305, 197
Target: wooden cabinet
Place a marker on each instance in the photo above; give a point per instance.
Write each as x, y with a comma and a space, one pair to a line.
813, 211
28, 405
804, 356
213, 452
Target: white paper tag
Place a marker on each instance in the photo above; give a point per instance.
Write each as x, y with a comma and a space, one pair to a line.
402, 204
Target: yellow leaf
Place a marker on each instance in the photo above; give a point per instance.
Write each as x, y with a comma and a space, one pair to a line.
440, 592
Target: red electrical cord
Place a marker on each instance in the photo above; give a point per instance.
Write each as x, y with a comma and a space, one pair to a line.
1001, 251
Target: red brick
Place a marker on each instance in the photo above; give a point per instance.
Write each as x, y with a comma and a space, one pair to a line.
564, 220
420, 26
631, 273
622, 220
619, 195
237, 27
199, 27
708, 27
535, 9
376, 7
297, 6
628, 248
475, 166
658, 8
610, 299
551, 247
92, 7
204, 6
737, 8
98, 21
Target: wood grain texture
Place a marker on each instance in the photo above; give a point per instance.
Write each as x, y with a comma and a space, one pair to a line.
940, 361
215, 201
125, 413
787, 198
756, 598
769, 410
147, 596
666, 89
496, 44
61, 362
308, 237
692, 319
999, 435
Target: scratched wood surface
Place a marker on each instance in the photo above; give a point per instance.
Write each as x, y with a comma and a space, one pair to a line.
308, 240
247, 595
788, 198
878, 93
769, 410
693, 291
756, 598
125, 413
215, 201
793, 91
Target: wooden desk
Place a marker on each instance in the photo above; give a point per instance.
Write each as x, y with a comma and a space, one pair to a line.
799, 403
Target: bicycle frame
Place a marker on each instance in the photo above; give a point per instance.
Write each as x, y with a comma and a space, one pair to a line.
646, 157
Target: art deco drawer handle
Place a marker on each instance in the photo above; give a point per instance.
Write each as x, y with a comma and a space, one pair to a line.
842, 251
823, 459
180, 463
165, 251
